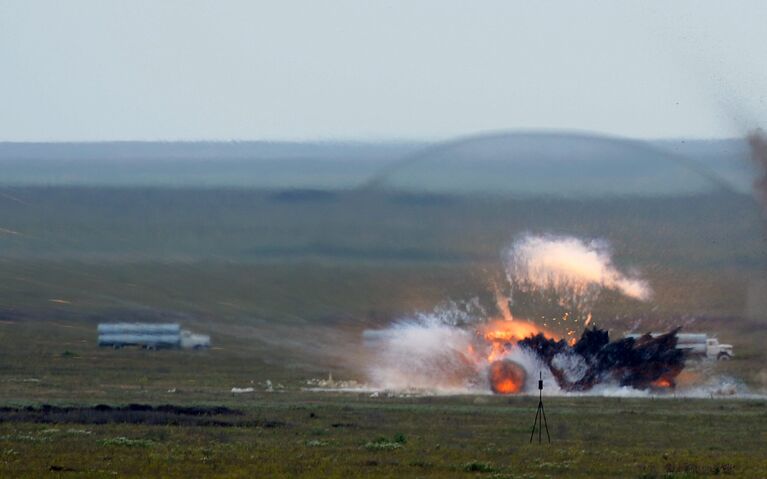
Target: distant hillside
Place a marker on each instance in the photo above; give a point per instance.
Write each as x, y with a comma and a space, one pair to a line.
271, 165
515, 162
202, 150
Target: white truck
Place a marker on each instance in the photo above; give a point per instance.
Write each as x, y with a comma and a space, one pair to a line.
149, 336
698, 345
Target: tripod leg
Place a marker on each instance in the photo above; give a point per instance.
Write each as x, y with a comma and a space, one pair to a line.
540, 422
546, 423
532, 433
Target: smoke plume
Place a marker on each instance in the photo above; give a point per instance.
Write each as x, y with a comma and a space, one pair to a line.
638, 363
425, 352
573, 269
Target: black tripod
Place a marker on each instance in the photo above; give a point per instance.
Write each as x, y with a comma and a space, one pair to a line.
540, 414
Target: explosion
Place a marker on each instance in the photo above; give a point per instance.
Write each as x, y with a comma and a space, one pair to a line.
425, 354
506, 377
501, 335
647, 362
470, 351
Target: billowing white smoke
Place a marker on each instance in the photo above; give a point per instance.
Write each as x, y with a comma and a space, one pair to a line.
425, 352
574, 270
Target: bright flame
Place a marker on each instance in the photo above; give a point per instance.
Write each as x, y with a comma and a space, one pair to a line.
663, 383
506, 377
502, 335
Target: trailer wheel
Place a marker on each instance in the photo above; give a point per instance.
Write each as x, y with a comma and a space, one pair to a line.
723, 357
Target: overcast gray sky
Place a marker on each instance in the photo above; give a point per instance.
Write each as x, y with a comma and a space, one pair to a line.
179, 70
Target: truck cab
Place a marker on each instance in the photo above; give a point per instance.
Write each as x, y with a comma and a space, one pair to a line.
715, 350
190, 340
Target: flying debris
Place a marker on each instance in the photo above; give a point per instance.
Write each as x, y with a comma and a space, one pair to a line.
641, 363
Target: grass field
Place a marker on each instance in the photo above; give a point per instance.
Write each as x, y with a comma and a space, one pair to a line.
326, 435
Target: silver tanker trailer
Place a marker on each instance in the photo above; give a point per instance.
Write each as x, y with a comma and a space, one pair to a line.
149, 336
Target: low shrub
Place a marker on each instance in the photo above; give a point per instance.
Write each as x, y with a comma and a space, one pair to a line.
476, 466
382, 443
124, 441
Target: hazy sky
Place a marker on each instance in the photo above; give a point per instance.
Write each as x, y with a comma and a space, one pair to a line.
105, 70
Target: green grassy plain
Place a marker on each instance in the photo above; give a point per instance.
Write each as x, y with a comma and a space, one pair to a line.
330, 435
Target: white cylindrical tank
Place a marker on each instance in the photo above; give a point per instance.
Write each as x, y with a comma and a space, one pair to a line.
687, 338
693, 343
139, 328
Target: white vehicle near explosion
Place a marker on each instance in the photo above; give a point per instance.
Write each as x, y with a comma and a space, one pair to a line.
698, 345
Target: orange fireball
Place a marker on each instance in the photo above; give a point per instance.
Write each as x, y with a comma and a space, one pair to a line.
506, 377
663, 383
511, 331
503, 334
